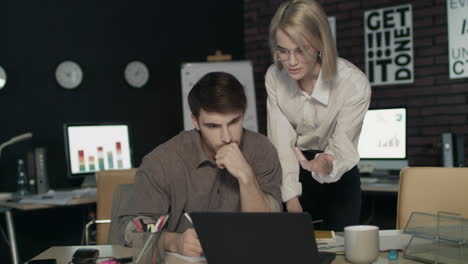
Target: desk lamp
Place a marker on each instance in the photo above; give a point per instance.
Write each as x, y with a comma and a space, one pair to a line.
14, 140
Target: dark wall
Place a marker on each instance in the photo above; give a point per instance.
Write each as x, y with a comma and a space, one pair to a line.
435, 103
102, 36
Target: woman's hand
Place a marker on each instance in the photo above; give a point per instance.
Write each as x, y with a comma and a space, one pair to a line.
321, 165
294, 206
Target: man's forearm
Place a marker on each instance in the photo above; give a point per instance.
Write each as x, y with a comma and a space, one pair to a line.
253, 199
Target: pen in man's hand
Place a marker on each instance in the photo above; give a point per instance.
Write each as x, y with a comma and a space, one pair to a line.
188, 217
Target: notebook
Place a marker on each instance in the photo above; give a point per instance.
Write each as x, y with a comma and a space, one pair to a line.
252, 238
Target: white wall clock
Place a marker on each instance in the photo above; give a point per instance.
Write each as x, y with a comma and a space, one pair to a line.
136, 74
3, 78
69, 74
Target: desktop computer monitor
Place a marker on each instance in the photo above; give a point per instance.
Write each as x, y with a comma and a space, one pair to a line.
382, 144
91, 147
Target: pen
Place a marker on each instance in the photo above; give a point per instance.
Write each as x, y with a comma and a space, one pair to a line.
151, 228
138, 225
317, 221
188, 217
161, 223
143, 225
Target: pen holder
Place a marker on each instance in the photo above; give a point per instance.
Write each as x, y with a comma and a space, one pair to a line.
148, 247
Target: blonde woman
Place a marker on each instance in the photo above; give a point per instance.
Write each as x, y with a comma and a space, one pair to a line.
316, 106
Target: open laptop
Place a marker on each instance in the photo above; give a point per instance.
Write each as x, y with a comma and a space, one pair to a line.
248, 238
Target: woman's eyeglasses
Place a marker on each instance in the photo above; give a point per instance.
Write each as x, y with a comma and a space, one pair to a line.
299, 54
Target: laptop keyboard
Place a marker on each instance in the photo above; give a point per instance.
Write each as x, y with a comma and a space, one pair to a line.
326, 258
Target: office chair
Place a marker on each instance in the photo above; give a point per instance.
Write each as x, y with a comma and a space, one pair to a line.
431, 190
113, 188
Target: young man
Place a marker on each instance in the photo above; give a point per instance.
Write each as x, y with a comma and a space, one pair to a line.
219, 166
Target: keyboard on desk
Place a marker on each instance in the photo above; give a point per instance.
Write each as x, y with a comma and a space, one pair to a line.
368, 180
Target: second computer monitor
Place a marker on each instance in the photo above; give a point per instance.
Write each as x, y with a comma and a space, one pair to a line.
383, 140
91, 147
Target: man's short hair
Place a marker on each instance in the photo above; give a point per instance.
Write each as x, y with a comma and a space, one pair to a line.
218, 92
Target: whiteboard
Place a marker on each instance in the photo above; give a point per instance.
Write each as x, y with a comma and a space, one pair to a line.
242, 70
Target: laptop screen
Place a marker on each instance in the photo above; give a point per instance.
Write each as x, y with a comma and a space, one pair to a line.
274, 238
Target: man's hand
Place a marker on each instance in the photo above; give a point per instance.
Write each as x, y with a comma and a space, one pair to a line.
322, 164
253, 199
231, 158
294, 206
185, 243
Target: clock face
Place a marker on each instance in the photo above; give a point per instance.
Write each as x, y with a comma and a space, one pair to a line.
136, 74
69, 74
3, 78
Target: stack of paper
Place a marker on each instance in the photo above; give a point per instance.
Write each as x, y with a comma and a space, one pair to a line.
328, 242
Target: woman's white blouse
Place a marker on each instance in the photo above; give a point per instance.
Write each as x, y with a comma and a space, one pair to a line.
330, 119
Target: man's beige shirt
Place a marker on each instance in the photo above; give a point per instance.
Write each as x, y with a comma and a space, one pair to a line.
178, 177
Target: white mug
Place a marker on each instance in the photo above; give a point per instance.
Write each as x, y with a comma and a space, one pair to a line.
361, 243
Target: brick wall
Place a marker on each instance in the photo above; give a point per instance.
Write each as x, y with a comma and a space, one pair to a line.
435, 103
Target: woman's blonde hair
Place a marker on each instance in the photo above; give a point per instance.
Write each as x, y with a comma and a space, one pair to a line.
306, 23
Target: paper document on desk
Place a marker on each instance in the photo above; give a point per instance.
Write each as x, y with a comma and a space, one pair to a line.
393, 239
188, 259
333, 245
59, 197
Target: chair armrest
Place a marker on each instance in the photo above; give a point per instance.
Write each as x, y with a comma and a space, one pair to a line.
93, 222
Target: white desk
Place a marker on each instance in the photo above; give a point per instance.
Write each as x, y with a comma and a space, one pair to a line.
64, 254
7, 207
